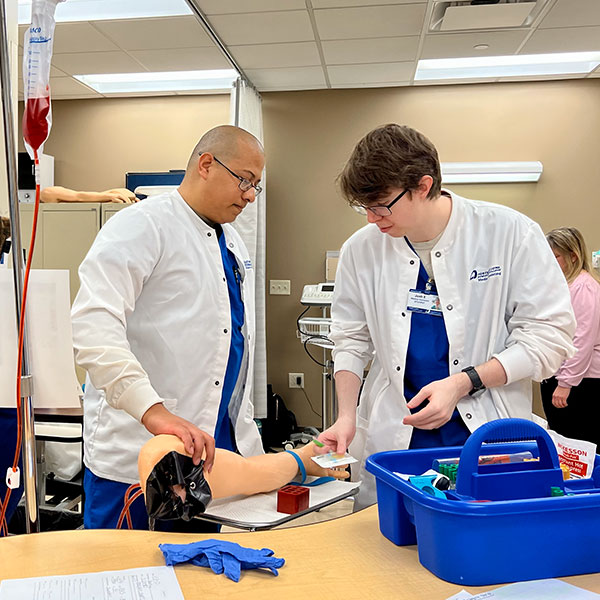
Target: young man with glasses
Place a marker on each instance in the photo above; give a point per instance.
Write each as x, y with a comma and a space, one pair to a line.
164, 324
457, 303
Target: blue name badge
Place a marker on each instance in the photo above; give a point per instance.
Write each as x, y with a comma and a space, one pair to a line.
425, 302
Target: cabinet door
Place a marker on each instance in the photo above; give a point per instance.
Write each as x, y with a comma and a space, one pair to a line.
110, 209
68, 233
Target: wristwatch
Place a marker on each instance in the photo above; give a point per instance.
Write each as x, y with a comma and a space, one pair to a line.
475, 380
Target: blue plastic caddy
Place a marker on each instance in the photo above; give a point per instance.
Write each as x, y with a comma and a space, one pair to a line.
501, 523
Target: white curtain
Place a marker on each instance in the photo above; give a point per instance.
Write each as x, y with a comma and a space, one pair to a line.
246, 112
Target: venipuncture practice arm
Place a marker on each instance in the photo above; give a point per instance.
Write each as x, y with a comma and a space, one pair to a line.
55, 194
233, 474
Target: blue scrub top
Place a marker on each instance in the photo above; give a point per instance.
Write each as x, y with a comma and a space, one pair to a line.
427, 361
224, 434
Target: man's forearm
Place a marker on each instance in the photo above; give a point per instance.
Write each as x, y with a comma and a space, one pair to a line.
347, 385
491, 373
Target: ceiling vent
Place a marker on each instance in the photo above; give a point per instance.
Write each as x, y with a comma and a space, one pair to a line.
469, 15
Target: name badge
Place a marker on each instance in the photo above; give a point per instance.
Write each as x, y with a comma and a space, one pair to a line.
425, 302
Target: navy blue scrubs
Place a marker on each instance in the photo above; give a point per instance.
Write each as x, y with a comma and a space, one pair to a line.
427, 361
224, 435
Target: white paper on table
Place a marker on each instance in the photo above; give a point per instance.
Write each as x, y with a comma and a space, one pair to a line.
462, 595
262, 508
50, 340
541, 589
149, 583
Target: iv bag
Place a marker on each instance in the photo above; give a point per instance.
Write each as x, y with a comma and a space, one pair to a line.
37, 54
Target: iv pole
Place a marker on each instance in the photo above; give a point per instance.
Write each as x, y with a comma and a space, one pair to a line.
27, 417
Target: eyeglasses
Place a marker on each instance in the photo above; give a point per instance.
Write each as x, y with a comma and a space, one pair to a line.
383, 210
245, 184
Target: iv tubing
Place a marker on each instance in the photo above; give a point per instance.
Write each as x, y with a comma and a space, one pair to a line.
25, 412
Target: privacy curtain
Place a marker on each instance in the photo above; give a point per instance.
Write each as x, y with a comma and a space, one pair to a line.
246, 112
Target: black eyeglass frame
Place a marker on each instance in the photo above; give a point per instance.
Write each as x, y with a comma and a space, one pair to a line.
384, 208
244, 184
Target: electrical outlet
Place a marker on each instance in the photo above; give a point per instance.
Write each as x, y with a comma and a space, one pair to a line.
296, 380
279, 287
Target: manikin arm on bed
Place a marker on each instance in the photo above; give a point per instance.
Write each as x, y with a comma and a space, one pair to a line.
233, 474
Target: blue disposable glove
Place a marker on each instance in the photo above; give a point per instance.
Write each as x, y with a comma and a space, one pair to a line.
221, 557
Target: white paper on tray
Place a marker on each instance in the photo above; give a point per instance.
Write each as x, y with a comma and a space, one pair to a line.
262, 508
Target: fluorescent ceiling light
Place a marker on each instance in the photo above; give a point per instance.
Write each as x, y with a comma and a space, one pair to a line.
170, 81
491, 172
102, 10
478, 67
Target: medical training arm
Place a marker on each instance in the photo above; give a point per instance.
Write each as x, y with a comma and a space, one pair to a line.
540, 318
55, 194
353, 349
233, 474
112, 276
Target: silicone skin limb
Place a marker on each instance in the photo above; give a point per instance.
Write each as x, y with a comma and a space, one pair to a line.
55, 194
233, 474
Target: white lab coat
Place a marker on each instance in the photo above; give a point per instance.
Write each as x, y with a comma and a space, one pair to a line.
503, 295
152, 323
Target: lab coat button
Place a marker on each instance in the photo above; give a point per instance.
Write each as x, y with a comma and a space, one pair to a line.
231, 245
412, 262
224, 330
469, 415
455, 362
209, 234
403, 314
438, 254
398, 368
449, 307
217, 383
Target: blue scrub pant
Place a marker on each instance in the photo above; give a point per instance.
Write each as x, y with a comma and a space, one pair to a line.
104, 501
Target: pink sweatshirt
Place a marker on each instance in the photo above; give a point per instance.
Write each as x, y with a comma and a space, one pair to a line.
585, 297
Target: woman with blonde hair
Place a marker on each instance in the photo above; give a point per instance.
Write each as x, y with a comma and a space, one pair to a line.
572, 397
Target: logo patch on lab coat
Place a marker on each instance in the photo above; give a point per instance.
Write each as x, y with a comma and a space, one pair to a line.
248, 264
486, 274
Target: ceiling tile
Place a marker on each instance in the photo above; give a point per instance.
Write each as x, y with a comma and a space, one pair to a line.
340, 52
264, 28
96, 62
227, 7
153, 34
181, 59
369, 74
265, 56
568, 39
287, 79
370, 22
67, 86
342, 3
572, 13
80, 37
453, 45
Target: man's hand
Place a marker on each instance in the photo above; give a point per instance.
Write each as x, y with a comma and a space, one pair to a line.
337, 438
560, 395
443, 396
157, 419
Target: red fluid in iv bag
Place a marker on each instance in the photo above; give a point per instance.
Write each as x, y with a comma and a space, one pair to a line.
35, 121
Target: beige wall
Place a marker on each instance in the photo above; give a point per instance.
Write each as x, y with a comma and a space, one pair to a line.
95, 142
308, 137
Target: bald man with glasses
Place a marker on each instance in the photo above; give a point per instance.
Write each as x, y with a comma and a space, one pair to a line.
164, 324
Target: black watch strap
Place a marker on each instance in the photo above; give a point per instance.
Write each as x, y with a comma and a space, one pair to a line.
475, 380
